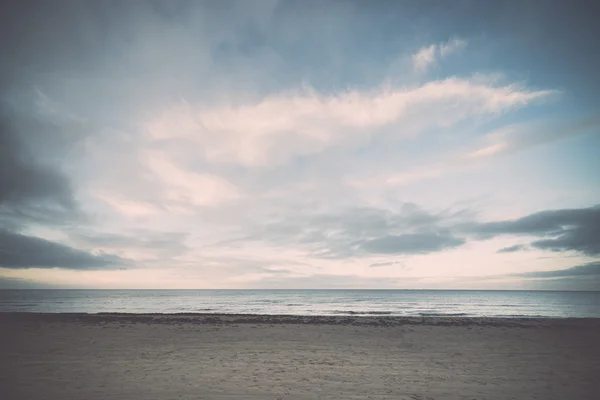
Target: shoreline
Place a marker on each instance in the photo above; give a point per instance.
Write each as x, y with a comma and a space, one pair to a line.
289, 319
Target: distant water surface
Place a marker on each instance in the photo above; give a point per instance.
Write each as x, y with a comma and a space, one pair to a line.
310, 302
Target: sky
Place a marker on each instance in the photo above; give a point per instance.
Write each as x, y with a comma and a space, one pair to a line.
300, 144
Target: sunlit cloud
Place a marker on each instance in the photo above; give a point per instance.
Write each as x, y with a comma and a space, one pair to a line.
288, 125
185, 186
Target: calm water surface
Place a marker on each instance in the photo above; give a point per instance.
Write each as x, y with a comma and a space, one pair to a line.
309, 302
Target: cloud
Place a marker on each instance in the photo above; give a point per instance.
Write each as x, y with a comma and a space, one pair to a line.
452, 46
19, 283
276, 271
501, 142
583, 239
283, 126
424, 58
405, 178
31, 188
517, 137
590, 269
129, 208
136, 238
329, 281
513, 249
388, 264
157, 182
22, 178
142, 245
488, 151
20, 251
561, 230
188, 187
362, 232
497, 143
428, 56
410, 230
174, 127
416, 243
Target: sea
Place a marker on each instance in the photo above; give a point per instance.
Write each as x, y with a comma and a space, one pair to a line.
464, 303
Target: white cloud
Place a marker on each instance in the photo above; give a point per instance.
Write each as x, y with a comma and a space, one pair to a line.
520, 136
424, 58
128, 208
501, 141
188, 187
430, 55
488, 151
282, 126
173, 189
401, 178
453, 45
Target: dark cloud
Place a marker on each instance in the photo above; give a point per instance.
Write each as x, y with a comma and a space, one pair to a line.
412, 230
32, 187
37, 139
18, 283
584, 239
22, 178
560, 230
364, 231
19, 251
590, 269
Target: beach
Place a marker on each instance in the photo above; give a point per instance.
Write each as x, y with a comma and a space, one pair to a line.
194, 356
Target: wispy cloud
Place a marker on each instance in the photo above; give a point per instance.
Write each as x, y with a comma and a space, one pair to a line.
497, 143
413, 243
188, 187
513, 249
398, 264
424, 58
517, 137
453, 45
429, 56
280, 127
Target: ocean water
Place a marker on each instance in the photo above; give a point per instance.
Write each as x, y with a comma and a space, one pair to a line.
310, 302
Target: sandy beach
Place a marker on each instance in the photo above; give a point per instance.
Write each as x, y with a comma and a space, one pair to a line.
79, 356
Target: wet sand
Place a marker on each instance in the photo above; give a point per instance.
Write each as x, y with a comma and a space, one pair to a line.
78, 356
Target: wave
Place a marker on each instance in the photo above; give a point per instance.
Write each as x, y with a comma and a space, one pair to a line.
362, 312
434, 314
512, 305
522, 316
